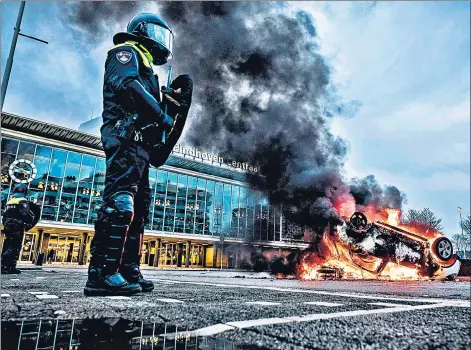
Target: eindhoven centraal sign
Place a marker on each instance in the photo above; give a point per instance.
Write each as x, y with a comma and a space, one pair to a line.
213, 158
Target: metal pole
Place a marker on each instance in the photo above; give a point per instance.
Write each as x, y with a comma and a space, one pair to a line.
6, 76
461, 222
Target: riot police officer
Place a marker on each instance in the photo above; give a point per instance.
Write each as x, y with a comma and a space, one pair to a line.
136, 132
20, 216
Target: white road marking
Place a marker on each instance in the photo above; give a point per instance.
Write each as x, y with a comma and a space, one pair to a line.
267, 303
14, 279
388, 304
46, 296
310, 291
37, 293
167, 300
118, 297
223, 327
5, 295
322, 303
40, 278
71, 291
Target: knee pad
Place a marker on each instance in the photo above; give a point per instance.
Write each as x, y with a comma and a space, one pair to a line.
121, 209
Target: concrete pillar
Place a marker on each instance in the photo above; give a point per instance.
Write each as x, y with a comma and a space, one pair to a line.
157, 252
180, 254
203, 256
215, 255
83, 248
38, 246
187, 254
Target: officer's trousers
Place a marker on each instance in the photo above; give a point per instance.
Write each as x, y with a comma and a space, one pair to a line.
12, 246
127, 170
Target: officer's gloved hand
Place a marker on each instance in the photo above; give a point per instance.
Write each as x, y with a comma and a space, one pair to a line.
178, 96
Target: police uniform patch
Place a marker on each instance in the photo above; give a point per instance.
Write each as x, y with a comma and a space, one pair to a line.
124, 56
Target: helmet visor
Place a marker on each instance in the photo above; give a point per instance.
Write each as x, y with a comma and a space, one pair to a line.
161, 35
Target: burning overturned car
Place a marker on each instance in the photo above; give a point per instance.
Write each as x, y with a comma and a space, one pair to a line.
359, 249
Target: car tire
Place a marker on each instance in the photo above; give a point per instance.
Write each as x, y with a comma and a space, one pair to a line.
442, 249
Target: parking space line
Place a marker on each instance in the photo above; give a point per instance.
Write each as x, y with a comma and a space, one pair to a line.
5, 295
37, 293
223, 327
266, 303
46, 296
168, 300
388, 304
118, 297
317, 292
322, 303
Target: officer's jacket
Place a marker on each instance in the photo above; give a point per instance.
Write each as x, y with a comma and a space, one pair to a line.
19, 211
124, 63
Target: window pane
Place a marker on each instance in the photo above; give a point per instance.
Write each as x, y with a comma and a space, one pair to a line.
209, 214
242, 212
97, 190
218, 209
264, 218
170, 202
250, 213
191, 205
26, 150
82, 203
53, 184
159, 201
7, 159
69, 189
278, 224
258, 216
271, 223
181, 203
152, 182
200, 206
9, 146
226, 213
38, 185
235, 211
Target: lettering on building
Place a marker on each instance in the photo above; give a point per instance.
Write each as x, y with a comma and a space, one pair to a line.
199, 155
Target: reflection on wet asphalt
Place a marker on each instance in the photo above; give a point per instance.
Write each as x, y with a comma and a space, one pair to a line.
103, 334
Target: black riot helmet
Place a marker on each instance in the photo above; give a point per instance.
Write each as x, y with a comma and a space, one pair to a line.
153, 33
20, 190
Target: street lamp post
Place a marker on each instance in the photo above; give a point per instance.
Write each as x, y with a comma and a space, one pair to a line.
16, 32
461, 221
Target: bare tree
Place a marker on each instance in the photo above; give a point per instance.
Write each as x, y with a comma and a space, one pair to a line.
423, 219
462, 240
466, 225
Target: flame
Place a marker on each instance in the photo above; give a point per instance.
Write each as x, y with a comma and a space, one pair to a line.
333, 257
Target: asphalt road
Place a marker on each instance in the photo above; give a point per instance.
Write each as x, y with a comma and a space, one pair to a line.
236, 310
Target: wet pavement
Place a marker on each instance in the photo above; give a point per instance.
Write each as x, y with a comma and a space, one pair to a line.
237, 310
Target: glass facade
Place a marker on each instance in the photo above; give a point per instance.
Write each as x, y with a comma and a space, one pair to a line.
69, 188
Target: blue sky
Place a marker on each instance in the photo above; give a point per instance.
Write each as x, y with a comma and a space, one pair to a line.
408, 63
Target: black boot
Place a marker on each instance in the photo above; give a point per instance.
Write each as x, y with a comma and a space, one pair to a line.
101, 284
132, 256
132, 274
10, 270
107, 247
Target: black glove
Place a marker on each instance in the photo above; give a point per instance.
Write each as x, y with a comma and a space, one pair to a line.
149, 111
179, 94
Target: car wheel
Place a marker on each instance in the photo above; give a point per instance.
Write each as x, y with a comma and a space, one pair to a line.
443, 248
359, 221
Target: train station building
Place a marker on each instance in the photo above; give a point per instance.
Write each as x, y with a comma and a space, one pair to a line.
203, 212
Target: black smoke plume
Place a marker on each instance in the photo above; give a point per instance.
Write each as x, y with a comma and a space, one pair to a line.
263, 95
